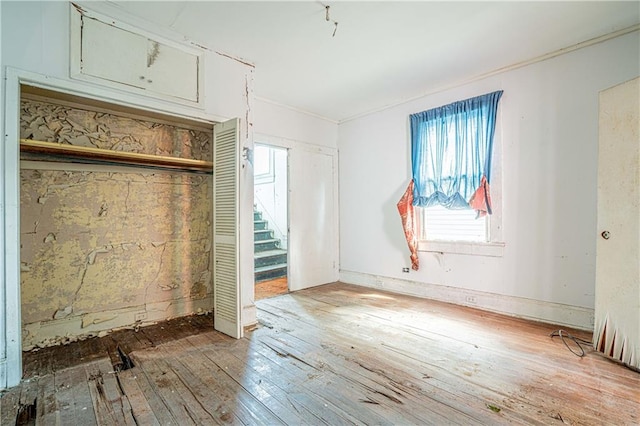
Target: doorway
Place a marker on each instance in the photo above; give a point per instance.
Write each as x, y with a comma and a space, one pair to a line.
270, 221
617, 291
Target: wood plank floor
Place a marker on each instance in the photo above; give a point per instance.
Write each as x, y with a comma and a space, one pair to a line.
336, 354
271, 288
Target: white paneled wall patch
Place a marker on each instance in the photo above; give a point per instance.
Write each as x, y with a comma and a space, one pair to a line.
113, 54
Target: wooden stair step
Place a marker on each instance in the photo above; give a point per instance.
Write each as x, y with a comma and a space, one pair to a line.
268, 253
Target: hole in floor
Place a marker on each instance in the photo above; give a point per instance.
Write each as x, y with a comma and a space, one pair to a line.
125, 361
27, 414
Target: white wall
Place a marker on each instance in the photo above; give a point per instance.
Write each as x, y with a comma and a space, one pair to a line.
275, 120
284, 127
35, 39
548, 133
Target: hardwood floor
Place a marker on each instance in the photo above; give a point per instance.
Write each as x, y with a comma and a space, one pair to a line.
271, 288
336, 354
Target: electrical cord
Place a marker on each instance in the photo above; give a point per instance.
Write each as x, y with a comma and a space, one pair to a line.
578, 341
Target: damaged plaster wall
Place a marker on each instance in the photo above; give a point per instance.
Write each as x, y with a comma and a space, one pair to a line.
102, 250
43, 30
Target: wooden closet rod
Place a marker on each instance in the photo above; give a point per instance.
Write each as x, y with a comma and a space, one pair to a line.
98, 154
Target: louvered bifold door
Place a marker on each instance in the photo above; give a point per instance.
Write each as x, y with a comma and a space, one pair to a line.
226, 285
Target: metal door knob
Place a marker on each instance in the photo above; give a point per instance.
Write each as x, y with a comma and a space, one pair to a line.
606, 235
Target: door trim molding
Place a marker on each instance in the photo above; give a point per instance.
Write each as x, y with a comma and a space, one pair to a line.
279, 142
294, 146
10, 305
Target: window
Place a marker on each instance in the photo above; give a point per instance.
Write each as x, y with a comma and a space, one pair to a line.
451, 160
452, 225
263, 165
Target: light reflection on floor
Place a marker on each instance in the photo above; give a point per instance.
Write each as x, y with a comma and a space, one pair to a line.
266, 289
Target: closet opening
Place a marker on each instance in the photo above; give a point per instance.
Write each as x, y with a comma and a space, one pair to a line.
115, 217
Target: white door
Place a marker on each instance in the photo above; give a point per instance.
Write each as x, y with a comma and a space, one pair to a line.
226, 237
617, 304
313, 218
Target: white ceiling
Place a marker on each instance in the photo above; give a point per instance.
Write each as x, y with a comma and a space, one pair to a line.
383, 52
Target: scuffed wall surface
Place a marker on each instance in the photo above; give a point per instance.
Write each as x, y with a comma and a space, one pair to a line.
55, 123
104, 250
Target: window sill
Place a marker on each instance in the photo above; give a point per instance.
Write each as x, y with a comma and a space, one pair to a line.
493, 249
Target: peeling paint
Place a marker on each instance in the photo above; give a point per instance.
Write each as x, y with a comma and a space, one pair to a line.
99, 318
226, 55
63, 313
56, 123
99, 248
152, 54
103, 210
91, 257
248, 109
79, 9
198, 45
166, 287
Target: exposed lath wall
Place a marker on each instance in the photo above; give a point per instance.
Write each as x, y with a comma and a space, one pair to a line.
103, 250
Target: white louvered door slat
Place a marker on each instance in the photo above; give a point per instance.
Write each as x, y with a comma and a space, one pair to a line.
226, 284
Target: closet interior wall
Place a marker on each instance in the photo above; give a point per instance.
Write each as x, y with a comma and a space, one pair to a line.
105, 247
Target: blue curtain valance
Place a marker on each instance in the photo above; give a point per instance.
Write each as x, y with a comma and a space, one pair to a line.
451, 149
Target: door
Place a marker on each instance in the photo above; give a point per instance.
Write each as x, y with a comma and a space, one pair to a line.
226, 237
313, 218
271, 222
617, 302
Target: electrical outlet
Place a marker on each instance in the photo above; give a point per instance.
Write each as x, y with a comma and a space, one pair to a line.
140, 316
471, 299
405, 270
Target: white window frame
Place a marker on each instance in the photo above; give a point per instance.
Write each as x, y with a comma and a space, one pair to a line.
439, 212
270, 176
494, 247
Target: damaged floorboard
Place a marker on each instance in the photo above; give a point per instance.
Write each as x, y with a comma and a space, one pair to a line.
336, 354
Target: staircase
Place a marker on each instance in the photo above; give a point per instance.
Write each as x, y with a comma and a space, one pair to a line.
269, 260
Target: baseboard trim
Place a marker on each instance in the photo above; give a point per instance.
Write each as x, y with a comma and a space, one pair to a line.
79, 327
520, 307
249, 316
